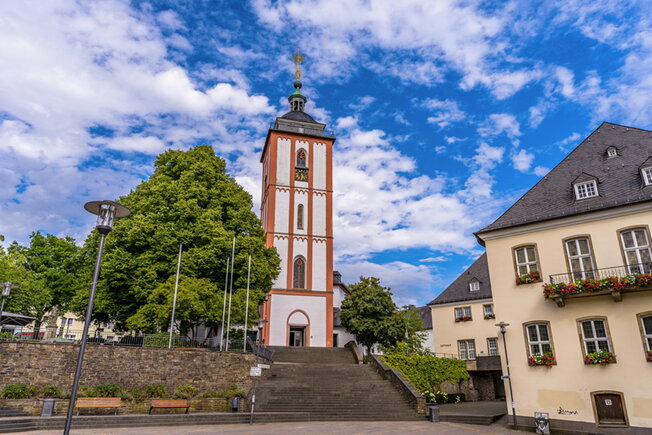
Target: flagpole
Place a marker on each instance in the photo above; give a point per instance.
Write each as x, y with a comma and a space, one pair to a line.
228, 322
244, 346
226, 285
174, 303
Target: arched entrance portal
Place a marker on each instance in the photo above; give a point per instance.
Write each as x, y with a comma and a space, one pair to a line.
298, 327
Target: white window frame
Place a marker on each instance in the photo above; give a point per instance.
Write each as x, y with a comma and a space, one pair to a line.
646, 174
586, 189
612, 152
636, 248
466, 349
462, 312
582, 273
539, 342
491, 309
647, 335
474, 286
595, 339
492, 346
531, 265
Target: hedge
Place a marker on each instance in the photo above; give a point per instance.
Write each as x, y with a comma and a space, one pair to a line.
427, 372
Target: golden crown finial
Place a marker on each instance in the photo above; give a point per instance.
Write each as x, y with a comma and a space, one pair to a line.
298, 60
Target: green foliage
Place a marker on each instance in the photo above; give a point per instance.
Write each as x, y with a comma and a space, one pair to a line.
370, 314
19, 391
191, 200
441, 397
52, 392
6, 335
156, 391
185, 392
109, 389
427, 372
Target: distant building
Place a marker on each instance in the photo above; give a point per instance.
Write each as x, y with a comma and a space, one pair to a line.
426, 319
583, 227
463, 321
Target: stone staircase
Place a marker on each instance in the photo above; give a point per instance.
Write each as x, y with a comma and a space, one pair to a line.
321, 384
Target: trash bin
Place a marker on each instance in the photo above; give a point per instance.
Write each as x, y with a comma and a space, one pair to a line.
433, 413
48, 408
235, 404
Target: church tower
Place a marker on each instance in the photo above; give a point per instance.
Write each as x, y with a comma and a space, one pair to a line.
297, 214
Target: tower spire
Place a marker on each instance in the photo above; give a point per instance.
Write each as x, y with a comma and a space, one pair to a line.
297, 99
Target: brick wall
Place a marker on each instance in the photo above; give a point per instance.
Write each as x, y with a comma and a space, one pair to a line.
133, 367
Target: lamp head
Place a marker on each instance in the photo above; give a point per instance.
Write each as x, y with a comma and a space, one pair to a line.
107, 212
6, 288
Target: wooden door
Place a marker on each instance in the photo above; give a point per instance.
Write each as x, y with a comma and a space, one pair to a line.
609, 408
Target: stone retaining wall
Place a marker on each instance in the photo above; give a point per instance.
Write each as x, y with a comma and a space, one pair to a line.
132, 367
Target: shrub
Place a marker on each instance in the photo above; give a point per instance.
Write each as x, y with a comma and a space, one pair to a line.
19, 391
456, 397
427, 372
156, 391
234, 391
52, 392
185, 392
109, 389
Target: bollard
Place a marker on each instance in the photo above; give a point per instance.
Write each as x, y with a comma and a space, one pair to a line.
433, 414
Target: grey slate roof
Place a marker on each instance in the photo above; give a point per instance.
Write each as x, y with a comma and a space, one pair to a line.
459, 291
618, 179
299, 116
426, 316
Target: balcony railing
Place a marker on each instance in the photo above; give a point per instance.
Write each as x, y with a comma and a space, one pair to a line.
607, 272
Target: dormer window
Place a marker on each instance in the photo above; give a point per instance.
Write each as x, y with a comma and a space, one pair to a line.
474, 286
612, 152
587, 189
646, 173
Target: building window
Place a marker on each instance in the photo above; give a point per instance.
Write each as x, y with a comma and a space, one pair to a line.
647, 175
538, 339
488, 311
587, 189
612, 152
467, 349
474, 286
594, 336
462, 314
580, 259
300, 217
492, 346
646, 330
636, 246
526, 260
299, 273
301, 159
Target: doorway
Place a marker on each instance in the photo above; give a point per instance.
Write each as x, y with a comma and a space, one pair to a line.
297, 336
609, 409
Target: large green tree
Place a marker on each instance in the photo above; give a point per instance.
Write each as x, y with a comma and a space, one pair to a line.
191, 200
370, 314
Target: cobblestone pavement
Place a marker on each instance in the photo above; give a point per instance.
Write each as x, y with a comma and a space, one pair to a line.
302, 428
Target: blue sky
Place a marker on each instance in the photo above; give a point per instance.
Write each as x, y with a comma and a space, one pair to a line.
445, 111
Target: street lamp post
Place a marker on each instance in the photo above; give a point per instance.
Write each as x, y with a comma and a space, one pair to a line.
503, 329
107, 212
6, 291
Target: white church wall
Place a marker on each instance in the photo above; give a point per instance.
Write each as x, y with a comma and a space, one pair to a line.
319, 265
319, 215
343, 336
284, 305
338, 296
281, 215
319, 163
281, 245
300, 247
283, 160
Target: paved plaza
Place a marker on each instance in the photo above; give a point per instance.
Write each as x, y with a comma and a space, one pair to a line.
301, 428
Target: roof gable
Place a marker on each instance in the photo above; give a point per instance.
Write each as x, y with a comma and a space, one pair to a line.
459, 289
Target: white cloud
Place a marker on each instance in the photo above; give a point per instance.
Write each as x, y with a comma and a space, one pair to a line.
445, 112
499, 123
541, 171
522, 161
437, 259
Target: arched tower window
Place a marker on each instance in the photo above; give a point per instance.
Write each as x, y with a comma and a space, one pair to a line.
299, 277
300, 217
301, 159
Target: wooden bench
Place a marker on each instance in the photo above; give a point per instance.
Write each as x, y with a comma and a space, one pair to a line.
169, 403
98, 402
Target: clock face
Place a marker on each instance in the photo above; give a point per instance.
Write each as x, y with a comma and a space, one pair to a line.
301, 174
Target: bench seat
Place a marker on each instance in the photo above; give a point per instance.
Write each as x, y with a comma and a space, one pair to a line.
169, 403
98, 402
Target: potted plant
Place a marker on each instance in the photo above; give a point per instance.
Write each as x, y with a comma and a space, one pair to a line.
463, 319
489, 316
602, 357
546, 359
649, 356
528, 278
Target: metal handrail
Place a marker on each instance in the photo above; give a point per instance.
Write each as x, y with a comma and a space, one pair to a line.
606, 272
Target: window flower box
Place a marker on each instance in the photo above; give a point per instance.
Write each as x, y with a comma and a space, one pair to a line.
601, 358
463, 319
610, 284
547, 359
489, 316
649, 356
528, 278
